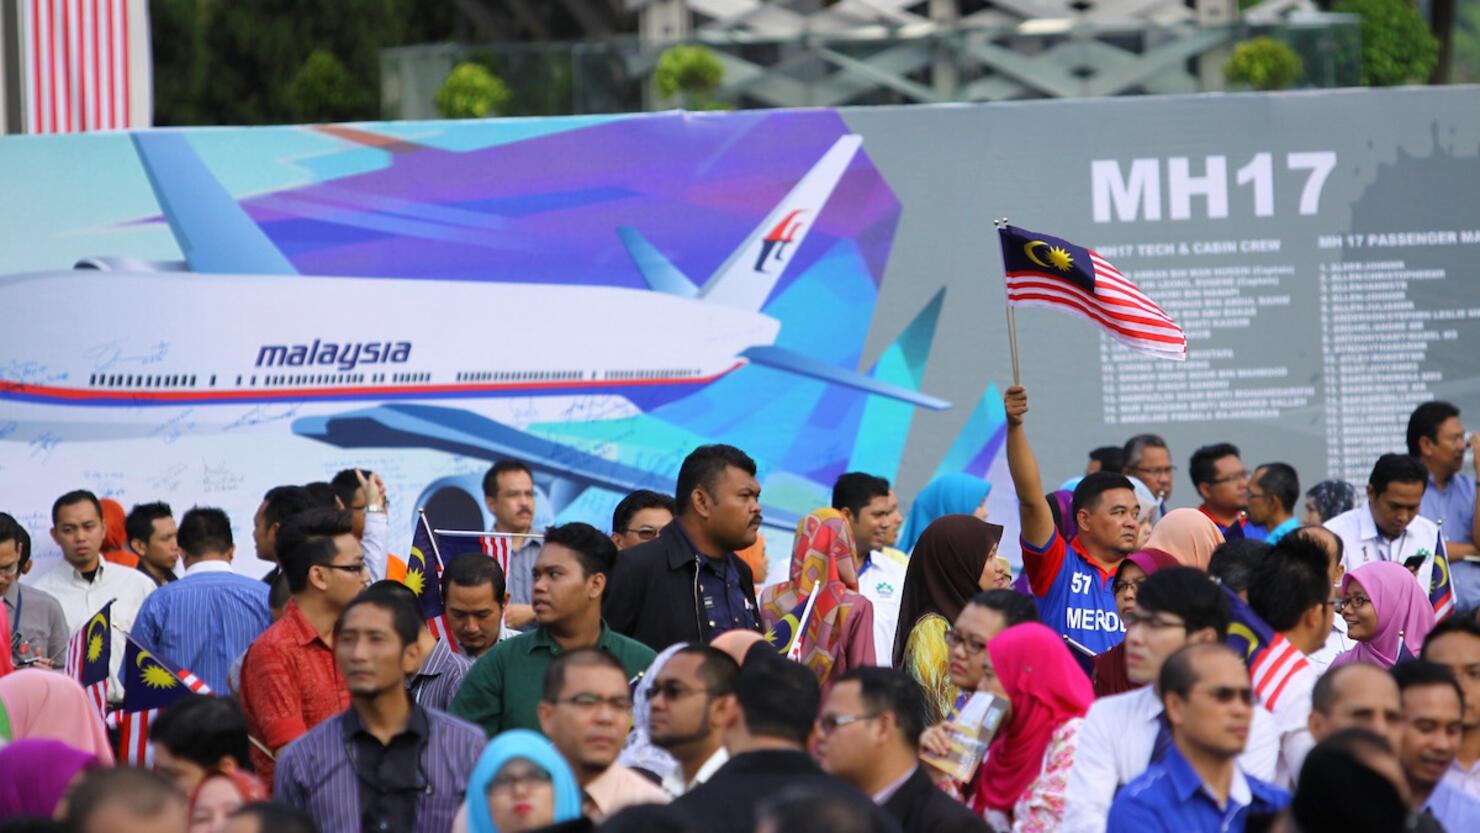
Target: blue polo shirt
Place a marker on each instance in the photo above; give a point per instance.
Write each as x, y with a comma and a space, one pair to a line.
1169, 797
1075, 596
1281, 531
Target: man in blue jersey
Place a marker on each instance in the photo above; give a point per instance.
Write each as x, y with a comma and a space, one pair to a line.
1072, 580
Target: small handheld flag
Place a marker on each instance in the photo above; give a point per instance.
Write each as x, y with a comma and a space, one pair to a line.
89, 654
1046, 271
423, 576
149, 684
1441, 588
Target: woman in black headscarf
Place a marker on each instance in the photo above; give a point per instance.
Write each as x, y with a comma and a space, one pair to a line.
949, 565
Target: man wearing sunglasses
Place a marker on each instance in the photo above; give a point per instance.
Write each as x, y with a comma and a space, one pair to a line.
1125, 733
1199, 785
585, 711
690, 701
640, 517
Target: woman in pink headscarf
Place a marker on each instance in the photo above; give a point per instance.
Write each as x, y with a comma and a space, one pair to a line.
1021, 784
48, 705
1107, 671
1188, 535
1387, 613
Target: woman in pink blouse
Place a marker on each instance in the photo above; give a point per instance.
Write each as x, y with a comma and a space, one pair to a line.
1020, 786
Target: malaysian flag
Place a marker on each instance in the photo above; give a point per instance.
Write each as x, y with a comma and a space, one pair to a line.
1441, 588
89, 653
1274, 667
85, 64
149, 684
499, 548
423, 576
1046, 271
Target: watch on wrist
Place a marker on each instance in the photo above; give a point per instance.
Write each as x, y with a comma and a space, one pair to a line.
375, 507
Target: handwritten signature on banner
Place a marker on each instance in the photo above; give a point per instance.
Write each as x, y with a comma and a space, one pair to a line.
175, 427
32, 372
110, 354
220, 477
259, 415
167, 479
44, 444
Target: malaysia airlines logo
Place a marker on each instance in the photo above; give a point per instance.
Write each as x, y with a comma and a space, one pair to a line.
778, 238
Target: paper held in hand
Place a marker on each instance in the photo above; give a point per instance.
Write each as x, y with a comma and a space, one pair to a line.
971, 725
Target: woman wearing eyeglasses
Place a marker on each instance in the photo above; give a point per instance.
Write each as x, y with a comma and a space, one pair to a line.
520, 783
1387, 613
950, 564
1020, 786
839, 630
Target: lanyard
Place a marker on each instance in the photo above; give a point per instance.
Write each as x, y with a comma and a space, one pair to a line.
15, 622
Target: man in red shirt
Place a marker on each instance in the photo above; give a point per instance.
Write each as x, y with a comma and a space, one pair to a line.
290, 681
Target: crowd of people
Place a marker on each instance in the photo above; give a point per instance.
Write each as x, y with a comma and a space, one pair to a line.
1270, 660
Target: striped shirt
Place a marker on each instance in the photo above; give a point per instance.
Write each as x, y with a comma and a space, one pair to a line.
316, 775
440, 676
520, 575
204, 620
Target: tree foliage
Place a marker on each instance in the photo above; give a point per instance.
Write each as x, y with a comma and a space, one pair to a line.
1264, 64
1397, 46
692, 72
471, 91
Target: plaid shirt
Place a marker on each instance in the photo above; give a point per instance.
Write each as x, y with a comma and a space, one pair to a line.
290, 684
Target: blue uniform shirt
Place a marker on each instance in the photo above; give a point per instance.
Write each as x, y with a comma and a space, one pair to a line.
1075, 596
725, 603
1169, 797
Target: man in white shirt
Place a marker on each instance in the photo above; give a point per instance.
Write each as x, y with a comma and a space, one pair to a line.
1455, 644
1388, 527
690, 703
1123, 734
1290, 589
1337, 642
865, 502
82, 583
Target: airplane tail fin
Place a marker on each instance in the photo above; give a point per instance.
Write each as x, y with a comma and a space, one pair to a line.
746, 278
657, 270
980, 440
213, 231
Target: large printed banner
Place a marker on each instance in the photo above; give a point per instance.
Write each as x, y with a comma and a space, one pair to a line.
196, 316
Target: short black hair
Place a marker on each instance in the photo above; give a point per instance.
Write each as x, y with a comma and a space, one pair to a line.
703, 467
717, 669
1412, 673
855, 489
1111, 457
139, 525
1396, 468
636, 502
581, 658
323, 495
1189, 593
1315, 533
396, 599
1289, 580
779, 698
1204, 463
807, 809
1087, 493
1323, 694
893, 691
76, 496
1016, 608
142, 792
1452, 624
1177, 675
283, 502
471, 569
593, 548
345, 483
1233, 562
278, 818
11, 530
203, 729
490, 480
306, 540
279, 593
1281, 482
1135, 449
204, 529
1425, 420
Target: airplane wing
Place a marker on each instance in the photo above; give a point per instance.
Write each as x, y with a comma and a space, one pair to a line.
802, 365
213, 231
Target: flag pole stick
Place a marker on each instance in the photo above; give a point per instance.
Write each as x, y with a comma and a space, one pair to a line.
1012, 344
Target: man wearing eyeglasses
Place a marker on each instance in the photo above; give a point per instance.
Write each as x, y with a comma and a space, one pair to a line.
290, 682
1388, 527
1125, 733
1222, 482
1274, 490
640, 517
1199, 785
1148, 460
689, 703
386, 763
38, 627
585, 711
502, 689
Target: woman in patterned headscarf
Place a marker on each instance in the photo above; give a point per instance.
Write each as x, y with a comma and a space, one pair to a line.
1327, 499
839, 632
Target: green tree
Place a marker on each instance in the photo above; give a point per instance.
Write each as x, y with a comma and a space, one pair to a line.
1397, 46
1264, 64
1467, 43
323, 90
691, 72
471, 92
